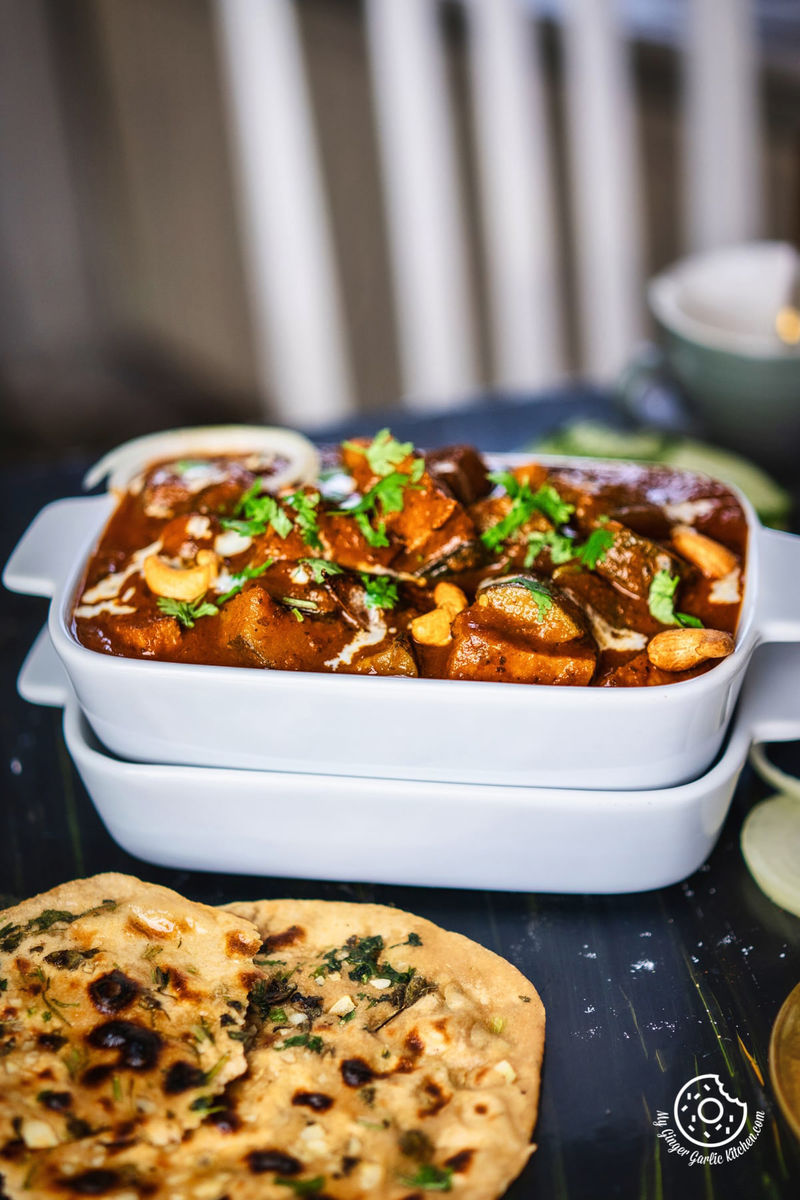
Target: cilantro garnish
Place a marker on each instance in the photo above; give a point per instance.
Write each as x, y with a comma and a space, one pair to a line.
595, 548
548, 501
363, 955
561, 548
186, 612
305, 504
661, 601
524, 503
540, 594
241, 577
564, 549
386, 496
413, 939
278, 1016
301, 1187
374, 535
320, 568
431, 1178
313, 1043
255, 512
383, 453
381, 591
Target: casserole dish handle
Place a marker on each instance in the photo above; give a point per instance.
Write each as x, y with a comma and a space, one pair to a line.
42, 679
778, 613
52, 544
770, 701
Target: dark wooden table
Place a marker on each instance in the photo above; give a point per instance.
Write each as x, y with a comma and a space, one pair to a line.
642, 992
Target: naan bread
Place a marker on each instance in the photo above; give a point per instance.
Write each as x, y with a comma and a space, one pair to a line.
387, 1058
117, 1001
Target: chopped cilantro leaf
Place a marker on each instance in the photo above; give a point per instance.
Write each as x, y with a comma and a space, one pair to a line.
241, 577
413, 939
661, 597
363, 954
386, 496
543, 600
431, 1178
278, 1016
305, 504
374, 535
561, 548
313, 1043
381, 591
255, 512
524, 503
186, 612
320, 568
661, 601
383, 453
595, 548
549, 502
301, 1187
389, 492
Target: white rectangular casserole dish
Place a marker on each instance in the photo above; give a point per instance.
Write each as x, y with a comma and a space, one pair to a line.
430, 834
395, 728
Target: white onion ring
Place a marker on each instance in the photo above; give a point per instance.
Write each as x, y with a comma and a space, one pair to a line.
121, 465
771, 848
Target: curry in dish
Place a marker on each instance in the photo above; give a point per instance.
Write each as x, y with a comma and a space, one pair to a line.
398, 562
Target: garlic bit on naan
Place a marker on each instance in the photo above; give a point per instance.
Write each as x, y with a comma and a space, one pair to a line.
386, 1058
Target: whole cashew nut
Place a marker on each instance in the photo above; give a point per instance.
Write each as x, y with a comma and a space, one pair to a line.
181, 583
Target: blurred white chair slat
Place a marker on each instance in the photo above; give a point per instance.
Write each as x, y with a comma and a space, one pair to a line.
423, 202
295, 295
724, 200
520, 232
295, 304
604, 186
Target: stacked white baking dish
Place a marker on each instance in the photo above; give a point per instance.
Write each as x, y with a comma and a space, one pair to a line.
411, 781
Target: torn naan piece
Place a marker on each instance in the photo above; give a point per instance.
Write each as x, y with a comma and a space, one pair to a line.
120, 1003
